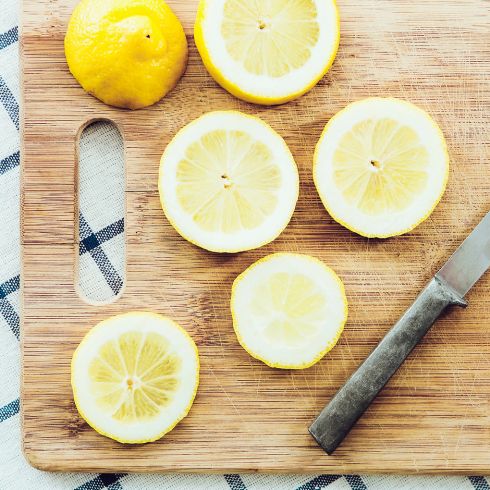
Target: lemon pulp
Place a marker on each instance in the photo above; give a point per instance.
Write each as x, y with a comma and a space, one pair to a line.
135, 376
270, 38
298, 304
228, 181
381, 166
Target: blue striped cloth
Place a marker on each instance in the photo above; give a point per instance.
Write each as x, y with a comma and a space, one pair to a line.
101, 233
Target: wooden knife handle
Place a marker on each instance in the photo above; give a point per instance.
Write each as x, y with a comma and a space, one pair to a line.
352, 400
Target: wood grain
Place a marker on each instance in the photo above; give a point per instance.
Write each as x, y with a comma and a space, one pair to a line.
433, 417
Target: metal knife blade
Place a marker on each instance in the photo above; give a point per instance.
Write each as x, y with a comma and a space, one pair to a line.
470, 261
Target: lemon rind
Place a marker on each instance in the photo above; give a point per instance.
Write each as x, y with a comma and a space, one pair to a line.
73, 62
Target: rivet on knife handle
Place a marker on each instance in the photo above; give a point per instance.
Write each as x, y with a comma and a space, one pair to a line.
352, 400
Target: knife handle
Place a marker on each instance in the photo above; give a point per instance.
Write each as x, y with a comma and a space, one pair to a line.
352, 400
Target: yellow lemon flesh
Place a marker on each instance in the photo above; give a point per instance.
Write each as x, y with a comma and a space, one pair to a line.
127, 53
381, 167
228, 182
267, 52
134, 376
288, 310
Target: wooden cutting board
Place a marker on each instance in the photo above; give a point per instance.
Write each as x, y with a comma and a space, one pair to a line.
433, 417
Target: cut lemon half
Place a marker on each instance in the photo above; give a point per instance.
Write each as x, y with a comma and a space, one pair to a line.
228, 182
134, 376
267, 52
127, 53
381, 167
288, 310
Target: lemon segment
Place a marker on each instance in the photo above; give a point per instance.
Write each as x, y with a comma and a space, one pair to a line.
381, 167
127, 53
288, 310
228, 182
267, 52
135, 376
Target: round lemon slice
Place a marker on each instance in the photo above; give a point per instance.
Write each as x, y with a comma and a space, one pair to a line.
228, 182
288, 310
134, 376
381, 167
267, 52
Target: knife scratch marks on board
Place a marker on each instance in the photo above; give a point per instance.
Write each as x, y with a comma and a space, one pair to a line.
460, 435
315, 384
456, 381
168, 305
465, 388
308, 388
230, 399
294, 245
472, 387
346, 367
325, 375
444, 445
254, 366
215, 315
299, 391
258, 378
401, 56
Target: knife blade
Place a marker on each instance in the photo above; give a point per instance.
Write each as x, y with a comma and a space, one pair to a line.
470, 261
448, 287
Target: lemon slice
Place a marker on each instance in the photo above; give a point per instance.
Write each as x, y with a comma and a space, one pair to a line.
134, 376
228, 182
381, 167
288, 310
267, 52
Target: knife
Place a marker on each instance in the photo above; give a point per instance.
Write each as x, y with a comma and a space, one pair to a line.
448, 287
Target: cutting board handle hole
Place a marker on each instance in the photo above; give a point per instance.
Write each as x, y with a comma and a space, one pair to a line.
101, 178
